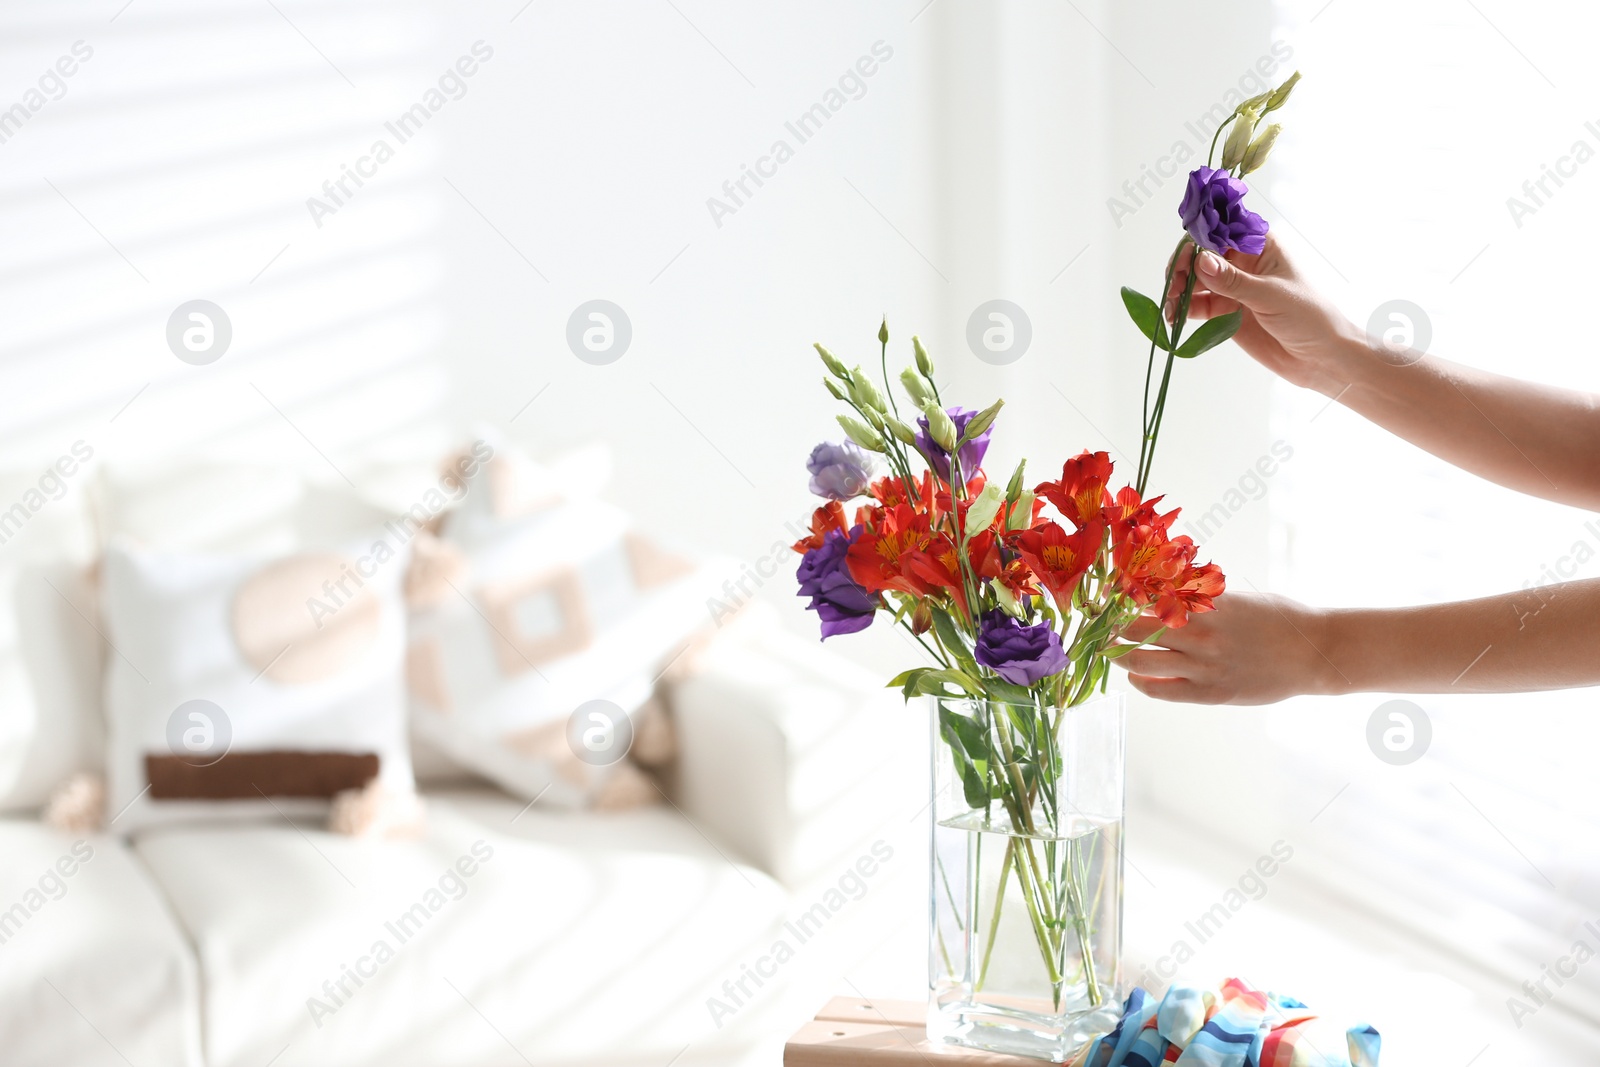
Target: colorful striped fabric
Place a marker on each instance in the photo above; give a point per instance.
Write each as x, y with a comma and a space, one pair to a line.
1232, 1026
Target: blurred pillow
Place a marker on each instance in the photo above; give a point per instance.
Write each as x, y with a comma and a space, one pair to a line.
50, 654
277, 508
539, 635
204, 506
507, 484
250, 685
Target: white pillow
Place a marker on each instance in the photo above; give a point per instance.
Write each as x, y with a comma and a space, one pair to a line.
50, 724
553, 608
252, 686
203, 506
506, 484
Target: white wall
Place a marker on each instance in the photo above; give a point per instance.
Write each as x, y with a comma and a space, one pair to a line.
948, 183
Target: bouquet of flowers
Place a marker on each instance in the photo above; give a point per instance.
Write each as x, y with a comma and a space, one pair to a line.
1020, 595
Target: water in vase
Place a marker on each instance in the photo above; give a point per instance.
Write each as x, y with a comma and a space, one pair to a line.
1026, 936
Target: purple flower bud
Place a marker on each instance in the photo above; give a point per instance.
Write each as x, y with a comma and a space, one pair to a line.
1214, 214
1020, 654
840, 471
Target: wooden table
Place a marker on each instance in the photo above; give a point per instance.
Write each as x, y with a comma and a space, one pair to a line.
881, 1033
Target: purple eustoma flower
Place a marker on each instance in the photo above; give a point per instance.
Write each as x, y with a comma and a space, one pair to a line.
972, 452
840, 471
1020, 654
1213, 212
843, 606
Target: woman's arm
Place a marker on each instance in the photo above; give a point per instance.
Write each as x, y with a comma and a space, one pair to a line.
1536, 439
1258, 649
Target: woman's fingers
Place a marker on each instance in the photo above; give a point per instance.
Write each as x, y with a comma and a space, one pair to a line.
1146, 626
1141, 628
1203, 303
1209, 305
1169, 299
1157, 663
1179, 689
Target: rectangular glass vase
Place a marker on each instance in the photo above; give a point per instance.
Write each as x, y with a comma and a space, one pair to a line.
1025, 944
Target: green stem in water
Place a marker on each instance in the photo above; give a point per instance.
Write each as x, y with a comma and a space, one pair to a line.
1034, 891
994, 921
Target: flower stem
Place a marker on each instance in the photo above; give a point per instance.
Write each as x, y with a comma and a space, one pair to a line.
1179, 318
994, 921
1145, 443
883, 365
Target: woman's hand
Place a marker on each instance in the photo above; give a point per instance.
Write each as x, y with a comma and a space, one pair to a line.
1287, 326
1253, 649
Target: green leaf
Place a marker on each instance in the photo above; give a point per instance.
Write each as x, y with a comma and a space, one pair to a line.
970, 752
974, 742
956, 678
1118, 651
909, 682
1211, 333
1147, 316
1006, 693
974, 786
954, 640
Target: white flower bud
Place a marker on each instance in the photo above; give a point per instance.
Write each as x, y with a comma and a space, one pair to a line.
911, 381
924, 363
982, 420
1238, 138
983, 509
866, 394
940, 428
1021, 512
1260, 149
1280, 95
831, 361
900, 430
865, 436
1014, 487
1006, 599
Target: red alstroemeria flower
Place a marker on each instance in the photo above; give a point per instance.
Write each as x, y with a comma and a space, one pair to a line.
829, 516
1059, 559
936, 569
876, 559
974, 487
1148, 564
1017, 577
995, 560
1127, 512
1192, 592
891, 491
989, 555
1081, 492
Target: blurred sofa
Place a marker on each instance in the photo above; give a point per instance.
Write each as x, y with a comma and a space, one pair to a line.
507, 932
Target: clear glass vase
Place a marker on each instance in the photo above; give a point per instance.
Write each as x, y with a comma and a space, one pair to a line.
1025, 945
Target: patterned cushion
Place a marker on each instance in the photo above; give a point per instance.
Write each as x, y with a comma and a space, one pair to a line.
241, 685
559, 612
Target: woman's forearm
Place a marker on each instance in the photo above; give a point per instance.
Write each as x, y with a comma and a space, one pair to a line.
1544, 638
1536, 439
